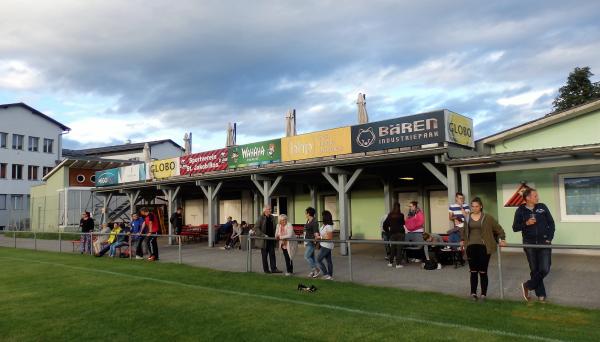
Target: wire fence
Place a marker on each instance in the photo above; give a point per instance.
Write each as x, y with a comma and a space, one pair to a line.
32, 238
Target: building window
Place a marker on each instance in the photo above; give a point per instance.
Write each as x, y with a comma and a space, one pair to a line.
34, 144
580, 197
3, 139
32, 172
17, 171
2, 202
3, 170
48, 145
16, 202
46, 170
18, 141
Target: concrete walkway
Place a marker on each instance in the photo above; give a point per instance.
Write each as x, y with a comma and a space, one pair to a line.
574, 279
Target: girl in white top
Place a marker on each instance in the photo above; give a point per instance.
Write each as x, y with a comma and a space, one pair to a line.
284, 232
326, 233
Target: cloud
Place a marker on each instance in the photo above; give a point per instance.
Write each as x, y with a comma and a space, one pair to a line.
117, 70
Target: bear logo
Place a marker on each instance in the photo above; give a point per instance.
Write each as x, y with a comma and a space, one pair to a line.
365, 137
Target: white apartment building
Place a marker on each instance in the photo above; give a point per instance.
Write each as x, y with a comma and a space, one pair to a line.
30, 146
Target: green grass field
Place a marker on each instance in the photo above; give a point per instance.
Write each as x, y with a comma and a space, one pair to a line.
50, 296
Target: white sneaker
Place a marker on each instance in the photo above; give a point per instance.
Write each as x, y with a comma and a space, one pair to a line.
390, 264
411, 260
399, 266
417, 260
439, 266
137, 257
287, 274
447, 248
311, 274
223, 248
317, 274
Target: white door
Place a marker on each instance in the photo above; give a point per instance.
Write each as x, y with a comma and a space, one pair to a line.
330, 204
194, 212
438, 210
231, 208
404, 198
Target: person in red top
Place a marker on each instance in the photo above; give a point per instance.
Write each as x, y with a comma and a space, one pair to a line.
413, 224
151, 226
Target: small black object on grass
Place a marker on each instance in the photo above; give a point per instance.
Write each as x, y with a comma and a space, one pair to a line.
304, 288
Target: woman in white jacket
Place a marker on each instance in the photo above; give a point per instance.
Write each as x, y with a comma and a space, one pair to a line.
284, 232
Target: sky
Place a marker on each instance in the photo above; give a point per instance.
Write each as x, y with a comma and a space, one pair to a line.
145, 70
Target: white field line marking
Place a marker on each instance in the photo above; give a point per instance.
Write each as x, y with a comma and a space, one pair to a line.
293, 301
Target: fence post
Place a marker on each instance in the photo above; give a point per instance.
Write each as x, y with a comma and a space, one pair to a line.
59, 242
91, 243
500, 272
15, 237
34, 241
249, 257
350, 259
179, 247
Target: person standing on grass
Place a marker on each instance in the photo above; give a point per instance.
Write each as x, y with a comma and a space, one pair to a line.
534, 221
478, 234
87, 227
311, 231
265, 227
137, 236
151, 226
326, 233
414, 226
284, 232
393, 226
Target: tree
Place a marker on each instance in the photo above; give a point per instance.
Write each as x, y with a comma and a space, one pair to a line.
578, 90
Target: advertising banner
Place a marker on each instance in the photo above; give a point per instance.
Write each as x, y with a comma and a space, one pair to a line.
318, 144
203, 162
413, 130
164, 168
459, 129
264, 152
132, 173
107, 177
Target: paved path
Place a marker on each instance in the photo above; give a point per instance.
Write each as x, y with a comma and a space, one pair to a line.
574, 279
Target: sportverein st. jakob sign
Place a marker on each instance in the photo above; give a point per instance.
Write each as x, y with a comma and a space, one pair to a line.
413, 130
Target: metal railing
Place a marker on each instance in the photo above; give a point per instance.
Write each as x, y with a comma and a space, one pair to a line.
250, 238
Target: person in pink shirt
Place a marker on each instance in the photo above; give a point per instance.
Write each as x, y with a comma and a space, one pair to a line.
413, 225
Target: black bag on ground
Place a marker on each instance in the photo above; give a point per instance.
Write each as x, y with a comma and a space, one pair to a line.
430, 265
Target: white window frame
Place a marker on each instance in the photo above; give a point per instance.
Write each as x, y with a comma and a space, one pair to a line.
563, 200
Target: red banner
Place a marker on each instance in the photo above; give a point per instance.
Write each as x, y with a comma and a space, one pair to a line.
203, 162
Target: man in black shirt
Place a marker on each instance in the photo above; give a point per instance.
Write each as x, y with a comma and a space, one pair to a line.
265, 227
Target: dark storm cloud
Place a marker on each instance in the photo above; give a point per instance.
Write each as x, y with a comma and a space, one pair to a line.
198, 65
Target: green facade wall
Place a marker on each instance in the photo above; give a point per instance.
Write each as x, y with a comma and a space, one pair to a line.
546, 182
46, 196
487, 192
366, 208
577, 131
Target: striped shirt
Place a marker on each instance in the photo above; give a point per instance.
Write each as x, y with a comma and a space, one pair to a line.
454, 209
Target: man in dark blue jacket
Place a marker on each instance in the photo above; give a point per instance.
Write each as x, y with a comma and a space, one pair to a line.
534, 221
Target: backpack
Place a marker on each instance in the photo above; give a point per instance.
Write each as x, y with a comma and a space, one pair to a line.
430, 265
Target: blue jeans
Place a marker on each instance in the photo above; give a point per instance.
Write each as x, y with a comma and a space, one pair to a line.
325, 253
309, 255
114, 246
539, 260
454, 237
